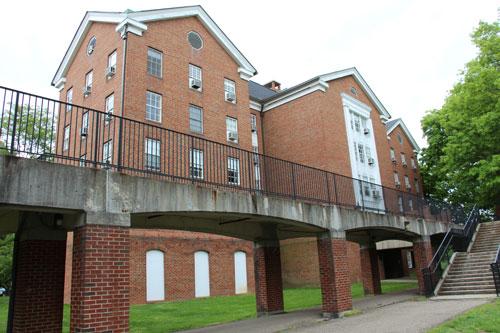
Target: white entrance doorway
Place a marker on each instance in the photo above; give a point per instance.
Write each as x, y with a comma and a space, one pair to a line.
155, 276
240, 272
201, 274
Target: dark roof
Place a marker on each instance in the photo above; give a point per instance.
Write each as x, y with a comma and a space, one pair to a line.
390, 123
259, 92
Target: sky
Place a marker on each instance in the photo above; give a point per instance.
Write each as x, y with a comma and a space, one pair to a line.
409, 51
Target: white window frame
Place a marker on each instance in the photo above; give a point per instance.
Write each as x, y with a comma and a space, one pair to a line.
69, 99
107, 152
232, 126
194, 120
195, 72
89, 79
413, 164
417, 187
396, 178
112, 59
152, 97
361, 153
85, 123
393, 155
152, 62
407, 182
403, 159
83, 159
67, 133
196, 163
152, 154
233, 166
109, 107
229, 87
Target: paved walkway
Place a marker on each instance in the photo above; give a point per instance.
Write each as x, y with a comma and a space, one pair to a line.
395, 312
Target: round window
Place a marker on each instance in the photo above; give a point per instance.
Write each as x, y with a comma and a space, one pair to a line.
91, 45
195, 40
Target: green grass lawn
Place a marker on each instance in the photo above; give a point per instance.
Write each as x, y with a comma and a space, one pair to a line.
181, 315
484, 318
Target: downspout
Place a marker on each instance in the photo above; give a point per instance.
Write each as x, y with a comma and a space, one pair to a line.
124, 36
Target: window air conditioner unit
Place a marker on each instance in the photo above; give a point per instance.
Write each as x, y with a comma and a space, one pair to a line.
108, 116
376, 193
393, 160
87, 90
84, 131
366, 130
195, 83
408, 187
110, 71
254, 127
230, 97
404, 164
255, 159
398, 184
232, 136
371, 161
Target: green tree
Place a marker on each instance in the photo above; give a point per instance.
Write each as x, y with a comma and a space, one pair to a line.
6, 248
462, 161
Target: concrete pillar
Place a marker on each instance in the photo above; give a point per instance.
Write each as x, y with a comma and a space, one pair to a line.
268, 280
38, 289
422, 251
370, 270
101, 275
334, 275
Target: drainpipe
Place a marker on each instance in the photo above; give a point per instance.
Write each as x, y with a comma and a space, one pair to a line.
124, 36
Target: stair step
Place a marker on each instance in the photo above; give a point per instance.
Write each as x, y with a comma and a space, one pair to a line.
486, 283
475, 292
457, 279
469, 288
459, 275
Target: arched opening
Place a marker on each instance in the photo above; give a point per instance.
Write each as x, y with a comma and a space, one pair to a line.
155, 276
201, 274
240, 273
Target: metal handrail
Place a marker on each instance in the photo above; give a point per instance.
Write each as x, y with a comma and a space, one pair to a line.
20, 112
495, 270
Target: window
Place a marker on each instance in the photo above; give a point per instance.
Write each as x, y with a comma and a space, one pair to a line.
403, 159
107, 152
393, 155
155, 275
229, 91
85, 124
253, 122
153, 106
232, 129
357, 123
89, 78
400, 204
417, 186
67, 130
355, 151
195, 79
368, 155
407, 182
400, 139
195, 40
410, 204
233, 171
83, 159
240, 272
109, 107
112, 60
361, 153
195, 119
396, 179
413, 164
69, 99
152, 154
196, 163
154, 62
201, 274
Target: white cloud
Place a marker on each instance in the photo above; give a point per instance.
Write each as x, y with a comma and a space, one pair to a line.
408, 51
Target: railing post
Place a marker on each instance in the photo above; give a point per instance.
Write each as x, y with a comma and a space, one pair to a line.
120, 135
250, 157
362, 193
293, 181
191, 160
96, 138
14, 126
335, 188
327, 187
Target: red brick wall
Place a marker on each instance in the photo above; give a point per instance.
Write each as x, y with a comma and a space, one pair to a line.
39, 286
299, 262
179, 248
268, 279
422, 251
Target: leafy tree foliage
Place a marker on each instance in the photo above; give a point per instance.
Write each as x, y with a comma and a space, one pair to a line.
462, 161
6, 248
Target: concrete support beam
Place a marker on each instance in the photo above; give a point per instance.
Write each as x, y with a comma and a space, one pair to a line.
268, 280
39, 263
422, 251
334, 275
100, 298
370, 270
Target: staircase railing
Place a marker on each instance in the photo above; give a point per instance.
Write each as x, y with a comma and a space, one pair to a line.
495, 269
454, 240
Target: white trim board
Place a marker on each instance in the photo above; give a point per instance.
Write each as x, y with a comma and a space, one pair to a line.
139, 20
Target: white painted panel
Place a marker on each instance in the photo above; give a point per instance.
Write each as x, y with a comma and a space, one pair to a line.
240, 272
155, 276
201, 274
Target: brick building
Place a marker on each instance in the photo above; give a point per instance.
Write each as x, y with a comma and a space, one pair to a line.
175, 69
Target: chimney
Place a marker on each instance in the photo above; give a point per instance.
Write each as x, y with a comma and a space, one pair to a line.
273, 85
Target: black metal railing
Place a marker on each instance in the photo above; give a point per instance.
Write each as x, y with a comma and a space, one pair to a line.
37, 127
495, 270
454, 240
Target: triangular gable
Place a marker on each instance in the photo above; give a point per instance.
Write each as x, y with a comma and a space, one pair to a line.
399, 122
138, 21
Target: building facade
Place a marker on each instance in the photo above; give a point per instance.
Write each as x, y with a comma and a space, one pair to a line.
175, 69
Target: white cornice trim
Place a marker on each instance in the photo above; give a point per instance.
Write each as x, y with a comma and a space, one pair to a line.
399, 122
295, 93
361, 107
139, 20
255, 106
59, 85
131, 25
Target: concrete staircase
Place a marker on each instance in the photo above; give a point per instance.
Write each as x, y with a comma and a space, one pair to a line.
470, 273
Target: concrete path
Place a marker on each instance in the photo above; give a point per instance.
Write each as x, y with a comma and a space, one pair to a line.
396, 312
